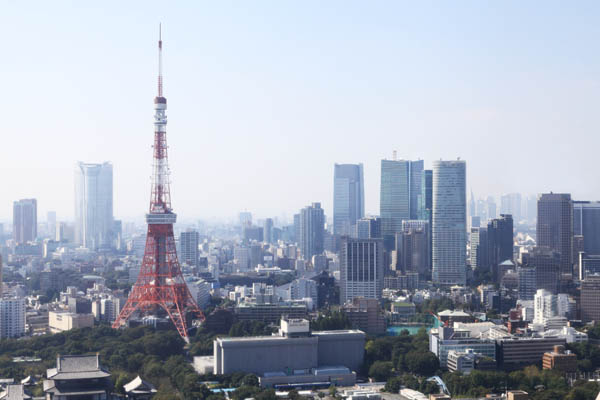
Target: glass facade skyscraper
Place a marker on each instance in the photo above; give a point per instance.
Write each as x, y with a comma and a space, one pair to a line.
401, 182
24, 220
555, 227
348, 197
311, 230
94, 205
449, 220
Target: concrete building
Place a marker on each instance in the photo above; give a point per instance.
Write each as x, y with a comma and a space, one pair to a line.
449, 223
368, 228
527, 283
366, 315
561, 360
361, 269
94, 205
348, 197
65, 321
461, 361
517, 351
311, 231
546, 263
443, 340
590, 299
586, 223
294, 355
500, 243
12, 317
479, 248
269, 312
24, 221
412, 248
304, 288
188, 242
555, 227
268, 231
545, 306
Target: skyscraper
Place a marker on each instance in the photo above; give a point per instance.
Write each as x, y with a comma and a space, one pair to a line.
412, 248
511, 204
555, 227
94, 205
51, 223
500, 242
479, 248
368, 228
189, 241
361, 269
547, 267
312, 230
348, 197
400, 191
24, 220
449, 229
586, 223
268, 230
425, 198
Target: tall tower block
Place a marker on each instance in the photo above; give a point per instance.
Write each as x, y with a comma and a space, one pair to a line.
160, 287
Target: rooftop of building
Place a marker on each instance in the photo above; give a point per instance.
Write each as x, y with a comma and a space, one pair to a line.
77, 367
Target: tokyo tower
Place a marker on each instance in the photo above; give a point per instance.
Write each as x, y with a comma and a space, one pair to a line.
160, 287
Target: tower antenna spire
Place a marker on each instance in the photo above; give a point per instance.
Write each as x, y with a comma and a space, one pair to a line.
160, 76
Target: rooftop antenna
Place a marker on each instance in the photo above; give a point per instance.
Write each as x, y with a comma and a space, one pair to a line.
160, 77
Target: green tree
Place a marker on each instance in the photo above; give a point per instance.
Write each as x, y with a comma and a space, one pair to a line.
381, 370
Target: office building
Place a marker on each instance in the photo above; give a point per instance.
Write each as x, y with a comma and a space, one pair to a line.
94, 205
588, 264
24, 221
400, 191
51, 224
547, 267
527, 282
361, 269
500, 243
586, 223
348, 197
449, 221
555, 227
12, 317
303, 288
412, 248
368, 228
268, 231
426, 196
311, 230
560, 360
294, 355
590, 299
61, 321
514, 352
188, 242
366, 315
444, 339
545, 306
479, 248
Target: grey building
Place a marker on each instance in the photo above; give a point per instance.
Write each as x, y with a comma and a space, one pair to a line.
400, 191
547, 267
527, 282
555, 227
412, 248
94, 205
586, 223
268, 231
479, 248
311, 230
361, 269
500, 243
368, 228
348, 197
24, 220
590, 299
295, 348
189, 242
449, 223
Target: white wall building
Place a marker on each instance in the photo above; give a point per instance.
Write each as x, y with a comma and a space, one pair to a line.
12, 317
94, 205
303, 288
545, 306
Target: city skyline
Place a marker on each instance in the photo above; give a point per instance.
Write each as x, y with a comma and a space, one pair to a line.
348, 89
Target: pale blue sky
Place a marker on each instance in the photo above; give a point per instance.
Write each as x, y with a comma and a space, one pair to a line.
264, 96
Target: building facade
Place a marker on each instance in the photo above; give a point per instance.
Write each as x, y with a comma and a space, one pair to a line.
348, 197
590, 299
311, 230
12, 317
24, 220
361, 269
555, 227
586, 223
449, 223
94, 205
188, 242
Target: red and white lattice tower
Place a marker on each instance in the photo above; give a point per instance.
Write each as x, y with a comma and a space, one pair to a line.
160, 284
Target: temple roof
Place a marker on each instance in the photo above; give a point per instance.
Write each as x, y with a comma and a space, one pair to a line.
77, 367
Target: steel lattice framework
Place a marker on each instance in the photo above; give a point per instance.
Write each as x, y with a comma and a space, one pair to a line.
160, 284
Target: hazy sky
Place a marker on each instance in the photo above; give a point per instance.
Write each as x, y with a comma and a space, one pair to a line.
264, 97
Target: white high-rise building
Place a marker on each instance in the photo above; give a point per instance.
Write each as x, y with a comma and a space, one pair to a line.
303, 288
449, 222
545, 306
12, 317
94, 205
